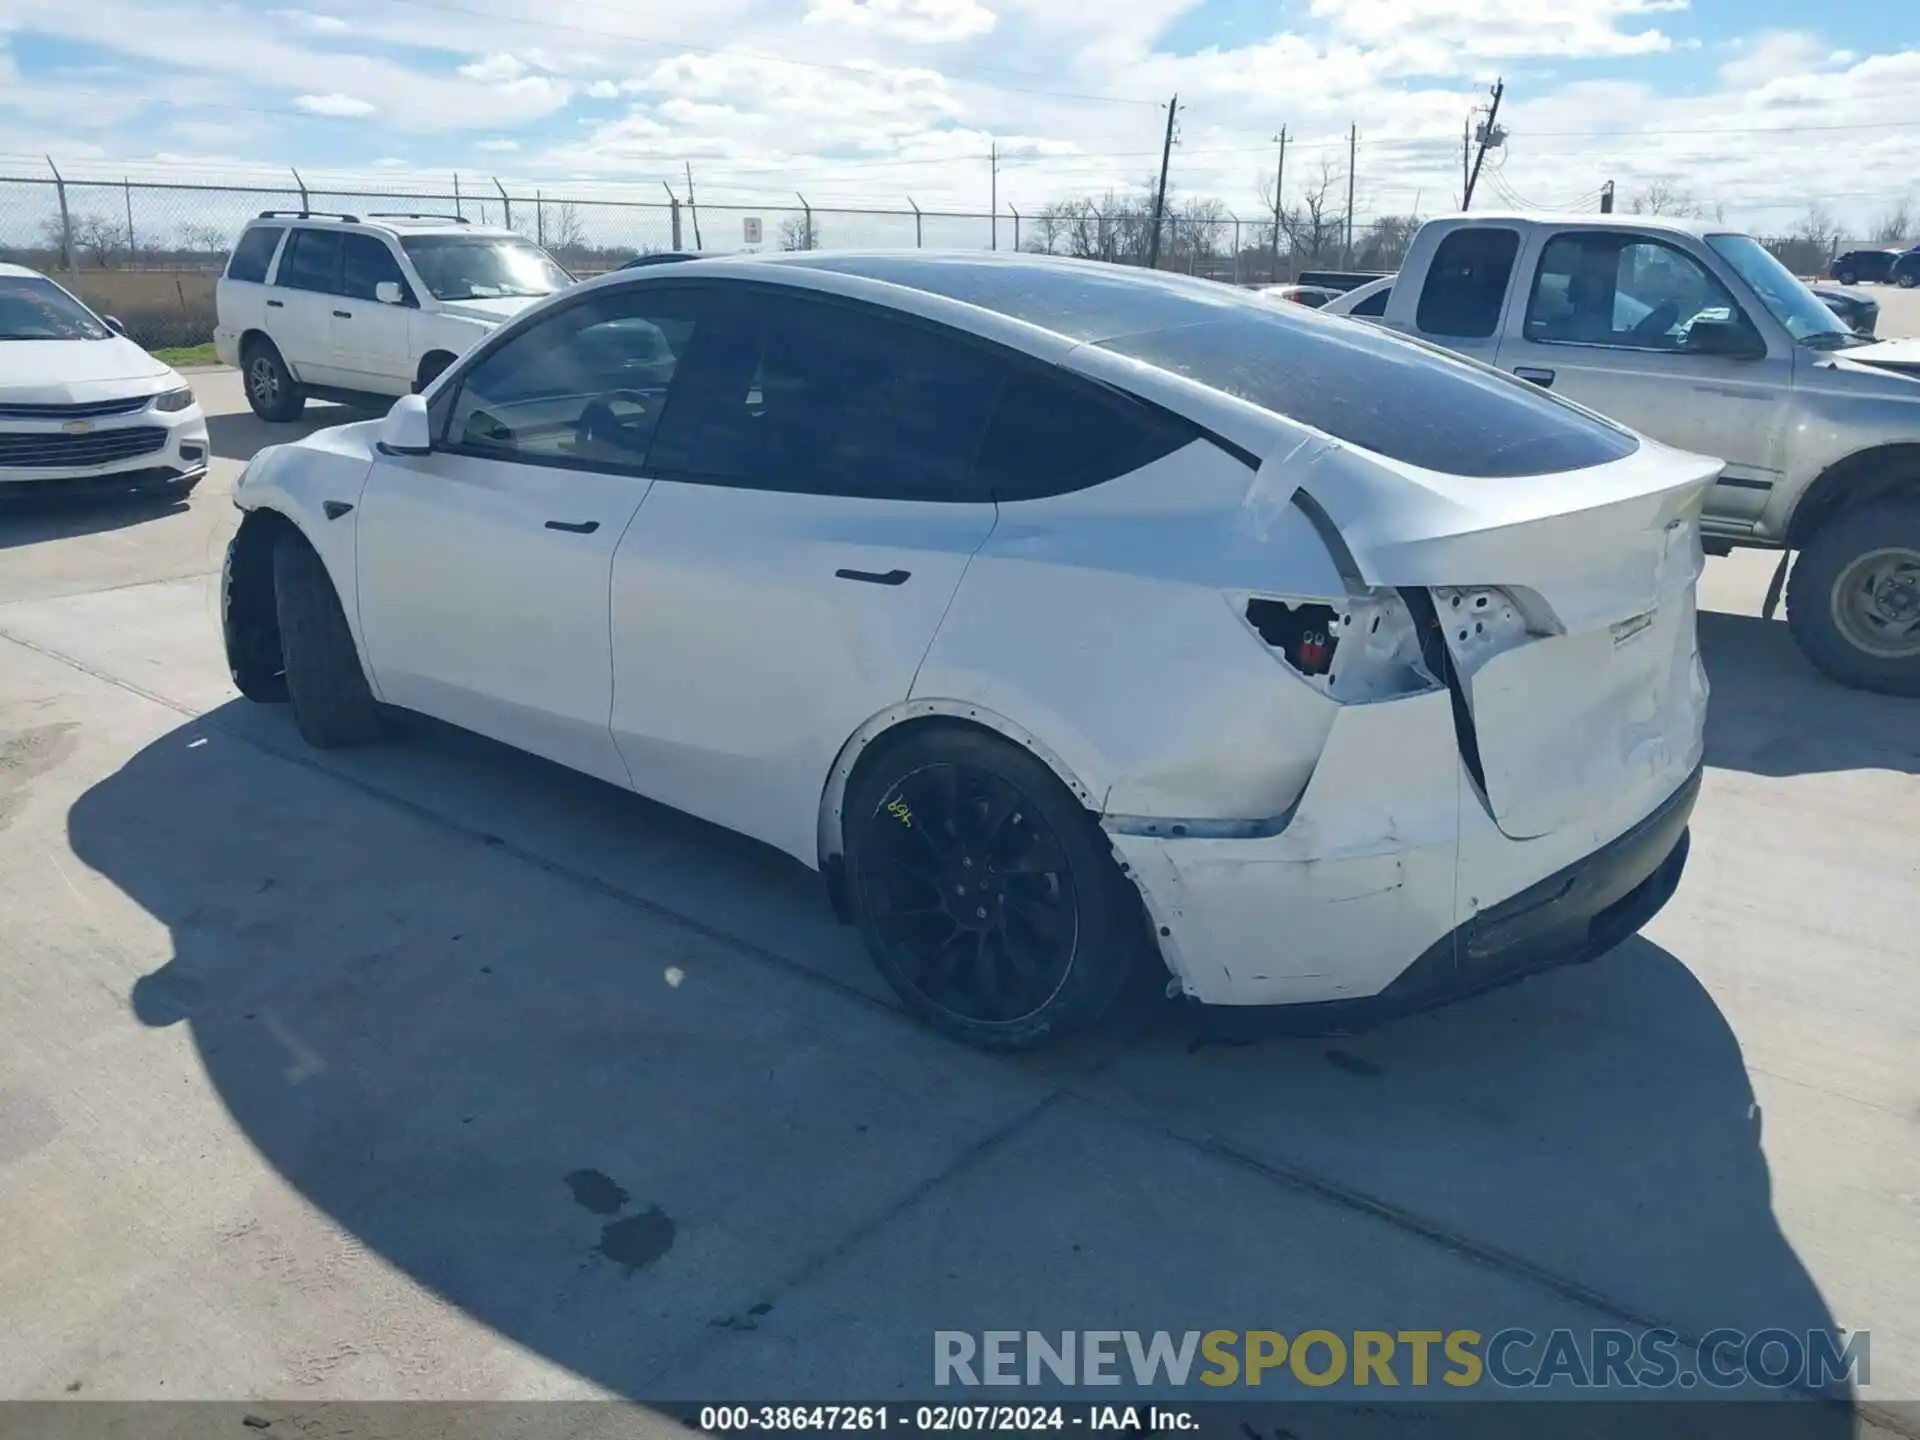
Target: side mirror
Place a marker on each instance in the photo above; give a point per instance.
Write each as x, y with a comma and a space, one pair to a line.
112, 322
1733, 339
406, 430
388, 292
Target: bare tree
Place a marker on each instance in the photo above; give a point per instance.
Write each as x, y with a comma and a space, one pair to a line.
1896, 224
1385, 243
1053, 225
798, 232
100, 240
1665, 198
1199, 229
1314, 226
561, 228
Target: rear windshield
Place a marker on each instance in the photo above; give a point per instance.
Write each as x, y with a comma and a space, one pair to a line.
1385, 394
1369, 387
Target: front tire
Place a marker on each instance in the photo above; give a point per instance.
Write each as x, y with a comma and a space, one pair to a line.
1906, 279
332, 703
1847, 277
272, 392
988, 897
1853, 602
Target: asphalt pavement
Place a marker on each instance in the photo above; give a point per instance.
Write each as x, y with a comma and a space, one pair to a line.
434, 1071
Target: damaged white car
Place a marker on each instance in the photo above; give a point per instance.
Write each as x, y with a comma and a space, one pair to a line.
1062, 615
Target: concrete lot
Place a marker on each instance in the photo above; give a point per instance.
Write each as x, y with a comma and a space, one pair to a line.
431, 1070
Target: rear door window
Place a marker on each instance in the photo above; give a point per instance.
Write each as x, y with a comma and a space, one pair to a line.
788, 392
1053, 432
312, 261
1466, 285
254, 253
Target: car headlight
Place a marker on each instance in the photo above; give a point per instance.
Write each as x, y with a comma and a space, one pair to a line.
173, 400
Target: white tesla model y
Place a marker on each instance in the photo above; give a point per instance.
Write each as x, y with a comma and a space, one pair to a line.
1063, 615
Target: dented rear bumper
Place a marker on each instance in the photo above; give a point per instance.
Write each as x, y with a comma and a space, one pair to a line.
1416, 899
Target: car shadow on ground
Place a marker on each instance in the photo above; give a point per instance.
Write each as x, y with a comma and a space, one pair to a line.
466, 1060
42, 518
240, 434
1772, 713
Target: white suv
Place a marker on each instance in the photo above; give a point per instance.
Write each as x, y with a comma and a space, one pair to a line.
365, 309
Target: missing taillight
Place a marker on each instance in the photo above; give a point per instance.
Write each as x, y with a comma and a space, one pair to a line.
1364, 648
1305, 633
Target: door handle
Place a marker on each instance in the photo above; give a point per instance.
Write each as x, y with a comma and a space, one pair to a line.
574, 527
343, 314
870, 577
276, 305
1542, 378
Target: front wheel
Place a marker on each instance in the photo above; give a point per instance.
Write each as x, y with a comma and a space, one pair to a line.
332, 703
1853, 602
1906, 279
988, 897
1847, 277
272, 392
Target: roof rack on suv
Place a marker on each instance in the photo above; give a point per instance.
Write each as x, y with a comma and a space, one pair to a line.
415, 215
308, 215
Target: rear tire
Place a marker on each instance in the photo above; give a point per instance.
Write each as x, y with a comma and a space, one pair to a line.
332, 703
988, 897
1856, 584
1906, 279
272, 392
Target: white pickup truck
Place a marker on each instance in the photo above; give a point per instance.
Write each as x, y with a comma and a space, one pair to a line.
1697, 336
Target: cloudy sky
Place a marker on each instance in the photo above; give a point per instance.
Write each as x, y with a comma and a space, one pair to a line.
1746, 105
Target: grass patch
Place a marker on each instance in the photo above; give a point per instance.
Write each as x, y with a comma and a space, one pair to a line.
187, 355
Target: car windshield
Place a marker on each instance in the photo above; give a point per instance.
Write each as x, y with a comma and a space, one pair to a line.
35, 309
1787, 300
460, 267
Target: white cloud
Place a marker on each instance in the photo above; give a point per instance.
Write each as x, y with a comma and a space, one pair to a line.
1441, 36
921, 20
602, 90
501, 146
312, 23
334, 104
495, 68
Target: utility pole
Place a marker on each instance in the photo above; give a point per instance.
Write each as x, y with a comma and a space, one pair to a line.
993, 192
1489, 135
698, 244
1160, 197
1606, 198
1466, 158
1353, 146
1279, 179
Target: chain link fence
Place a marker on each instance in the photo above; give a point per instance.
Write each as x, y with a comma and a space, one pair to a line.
149, 253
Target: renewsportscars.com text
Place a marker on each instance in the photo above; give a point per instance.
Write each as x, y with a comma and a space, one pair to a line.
1519, 1359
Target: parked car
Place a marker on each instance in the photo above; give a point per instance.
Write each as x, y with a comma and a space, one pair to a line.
362, 309
666, 257
83, 408
1058, 613
1311, 296
1906, 269
1860, 313
1698, 337
1874, 266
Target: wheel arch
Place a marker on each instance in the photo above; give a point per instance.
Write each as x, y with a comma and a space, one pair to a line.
1864, 478
912, 717
446, 357
253, 335
250, 622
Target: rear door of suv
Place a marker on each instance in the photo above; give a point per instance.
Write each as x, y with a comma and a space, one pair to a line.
301, 301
